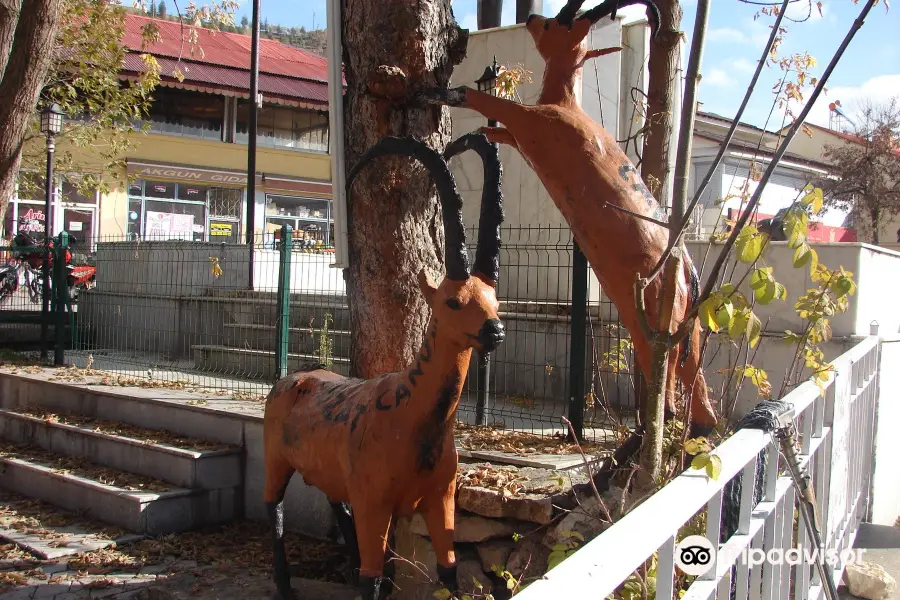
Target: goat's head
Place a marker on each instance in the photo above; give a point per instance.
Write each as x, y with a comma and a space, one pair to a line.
560, 38
464, 303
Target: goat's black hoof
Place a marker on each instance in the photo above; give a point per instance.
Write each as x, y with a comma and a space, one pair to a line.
698, 430
447, 576
286, 593
370, 587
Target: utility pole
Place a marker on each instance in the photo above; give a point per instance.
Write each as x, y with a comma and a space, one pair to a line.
251, 135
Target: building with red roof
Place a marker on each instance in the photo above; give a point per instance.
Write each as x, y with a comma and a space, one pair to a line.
186, 177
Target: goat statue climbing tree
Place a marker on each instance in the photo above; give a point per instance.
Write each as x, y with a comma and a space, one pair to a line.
612, 214
385, 444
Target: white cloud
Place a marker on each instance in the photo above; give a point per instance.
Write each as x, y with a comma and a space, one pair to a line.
878, 89
743, 65
753, 32
469, 21
718, 78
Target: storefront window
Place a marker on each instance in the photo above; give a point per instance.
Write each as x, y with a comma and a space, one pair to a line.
309, 217
174, 220
160, 210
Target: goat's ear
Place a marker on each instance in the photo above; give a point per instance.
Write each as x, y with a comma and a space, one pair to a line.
426, 286
600, 52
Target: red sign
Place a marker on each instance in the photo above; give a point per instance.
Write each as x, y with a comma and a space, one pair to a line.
817, 232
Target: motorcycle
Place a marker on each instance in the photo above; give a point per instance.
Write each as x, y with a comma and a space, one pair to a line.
78, 277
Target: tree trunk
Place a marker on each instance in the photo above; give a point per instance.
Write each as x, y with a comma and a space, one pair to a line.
394, 218
875, 216
26, 69
9, 16
663, 77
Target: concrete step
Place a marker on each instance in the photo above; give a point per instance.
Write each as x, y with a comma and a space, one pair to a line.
191, 464
303, 340
306, 313
151, 408
30, 472
254, 364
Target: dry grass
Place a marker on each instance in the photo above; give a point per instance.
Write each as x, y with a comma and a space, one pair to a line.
520, 443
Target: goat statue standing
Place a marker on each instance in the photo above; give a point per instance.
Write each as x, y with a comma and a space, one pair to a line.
385, 445
596, 188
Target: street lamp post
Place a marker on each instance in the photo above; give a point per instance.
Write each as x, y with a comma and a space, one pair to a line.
51, 126
487, 83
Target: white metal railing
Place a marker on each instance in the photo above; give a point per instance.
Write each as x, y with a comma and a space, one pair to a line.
837, 444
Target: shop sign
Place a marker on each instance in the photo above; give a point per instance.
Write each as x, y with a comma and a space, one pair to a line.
187, 174
221, 229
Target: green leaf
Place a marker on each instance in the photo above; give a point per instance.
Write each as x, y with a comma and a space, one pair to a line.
815, 199
714, 467
748, 244
843, 286
754, 328
700, 461
802, 255
759, 278
738, 324
708, 314
725, 314
766, 294
442, 594
555, 558
477, 583
780, 291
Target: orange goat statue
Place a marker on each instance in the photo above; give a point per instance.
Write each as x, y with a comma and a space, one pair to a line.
385, 445
596, 188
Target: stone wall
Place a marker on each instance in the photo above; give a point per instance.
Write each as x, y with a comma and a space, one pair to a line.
513, 532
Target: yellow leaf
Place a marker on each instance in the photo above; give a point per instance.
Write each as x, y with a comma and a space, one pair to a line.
714, 467
708, 314
697, 446
700, 461
754, 328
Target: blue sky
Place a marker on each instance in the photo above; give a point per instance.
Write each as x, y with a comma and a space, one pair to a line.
870, 67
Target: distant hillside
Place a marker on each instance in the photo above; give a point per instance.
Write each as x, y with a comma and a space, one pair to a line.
299, 37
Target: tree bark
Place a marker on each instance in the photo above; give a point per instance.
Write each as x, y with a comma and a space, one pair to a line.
26, 68
9, 17
394, 218
663, 74
875, 216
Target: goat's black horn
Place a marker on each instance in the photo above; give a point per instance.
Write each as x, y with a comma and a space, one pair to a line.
567, 13
611, 6
487, 254
455, 256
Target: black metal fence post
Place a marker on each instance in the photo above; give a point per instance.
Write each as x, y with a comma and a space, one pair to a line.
577, 341
283, 327
60, 297
482, 402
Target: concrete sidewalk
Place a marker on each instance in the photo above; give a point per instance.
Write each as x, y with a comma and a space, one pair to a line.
882, 547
